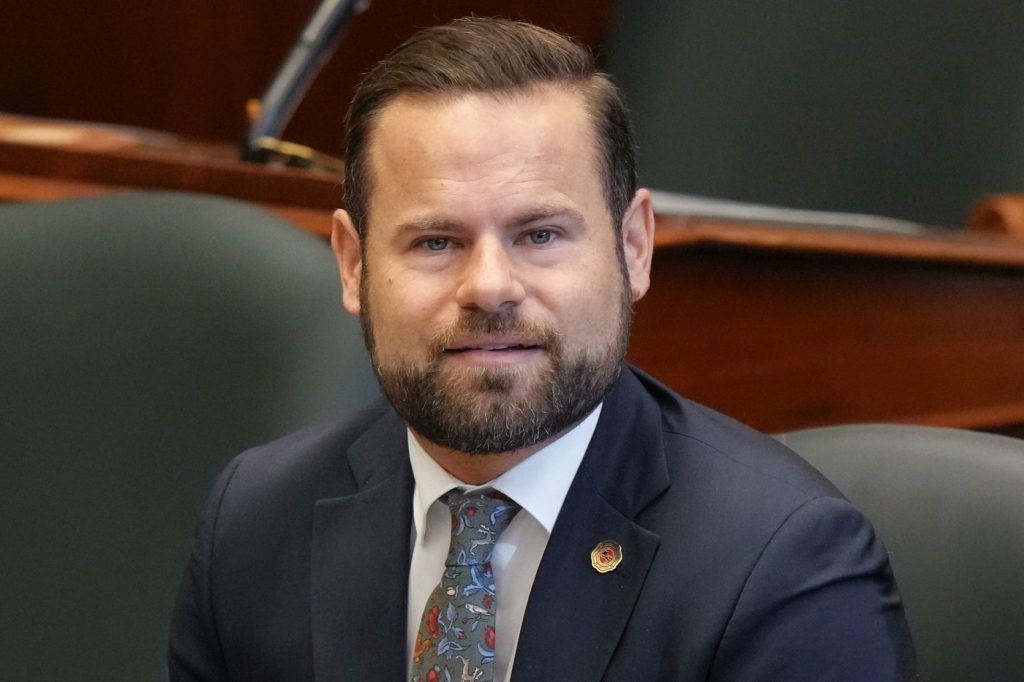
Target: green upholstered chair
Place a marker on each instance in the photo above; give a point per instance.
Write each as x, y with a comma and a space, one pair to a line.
145, 339
949, 505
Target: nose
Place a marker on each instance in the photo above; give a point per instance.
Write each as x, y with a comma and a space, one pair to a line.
489, 281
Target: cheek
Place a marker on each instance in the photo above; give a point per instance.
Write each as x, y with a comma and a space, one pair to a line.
583, 309
597, 302
405, 310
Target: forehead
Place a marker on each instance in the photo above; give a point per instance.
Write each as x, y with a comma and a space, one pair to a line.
543, 132
550, 104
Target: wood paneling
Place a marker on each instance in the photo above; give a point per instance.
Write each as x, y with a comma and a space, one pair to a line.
787, 328
189, 66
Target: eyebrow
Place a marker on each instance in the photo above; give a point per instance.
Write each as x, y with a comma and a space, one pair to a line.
428, 224
547, 212
531, 215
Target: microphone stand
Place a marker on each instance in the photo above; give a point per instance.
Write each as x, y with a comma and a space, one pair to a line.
269, 116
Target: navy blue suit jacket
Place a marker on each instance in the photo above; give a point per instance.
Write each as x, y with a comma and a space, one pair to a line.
740, 561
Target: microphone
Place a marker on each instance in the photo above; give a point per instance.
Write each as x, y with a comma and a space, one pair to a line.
315, 45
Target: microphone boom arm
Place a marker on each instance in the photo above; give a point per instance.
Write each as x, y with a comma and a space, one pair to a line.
315, 45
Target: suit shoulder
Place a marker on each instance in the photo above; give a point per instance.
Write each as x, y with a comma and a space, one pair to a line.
692, 430
315, 458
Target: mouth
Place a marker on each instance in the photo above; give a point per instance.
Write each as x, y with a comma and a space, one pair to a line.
494, 352
493, 348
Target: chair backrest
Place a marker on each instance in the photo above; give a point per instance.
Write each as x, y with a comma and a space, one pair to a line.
145, 338
949, 506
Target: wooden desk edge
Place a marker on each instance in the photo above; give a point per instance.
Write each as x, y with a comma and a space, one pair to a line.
935, 245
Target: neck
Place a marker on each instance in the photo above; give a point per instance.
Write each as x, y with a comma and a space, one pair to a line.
475, 469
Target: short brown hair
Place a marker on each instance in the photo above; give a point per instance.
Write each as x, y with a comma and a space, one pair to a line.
489, 55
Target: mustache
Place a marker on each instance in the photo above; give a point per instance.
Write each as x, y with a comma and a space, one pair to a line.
477, 323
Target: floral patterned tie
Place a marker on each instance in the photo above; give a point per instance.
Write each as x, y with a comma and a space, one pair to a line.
455, 641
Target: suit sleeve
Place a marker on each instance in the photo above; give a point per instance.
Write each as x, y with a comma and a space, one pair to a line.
819, 604
194, 651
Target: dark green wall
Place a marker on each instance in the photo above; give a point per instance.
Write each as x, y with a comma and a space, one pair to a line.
906, 109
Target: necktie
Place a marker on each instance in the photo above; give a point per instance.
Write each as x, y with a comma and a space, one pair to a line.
456, 636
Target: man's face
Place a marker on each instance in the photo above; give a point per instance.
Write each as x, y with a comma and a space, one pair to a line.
494, 296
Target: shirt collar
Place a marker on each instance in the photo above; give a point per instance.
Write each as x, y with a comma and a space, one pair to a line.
538, 484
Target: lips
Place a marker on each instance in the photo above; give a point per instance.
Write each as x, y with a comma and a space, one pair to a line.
489, 338
495, 346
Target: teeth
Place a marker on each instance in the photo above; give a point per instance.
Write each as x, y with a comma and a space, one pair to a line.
496, 347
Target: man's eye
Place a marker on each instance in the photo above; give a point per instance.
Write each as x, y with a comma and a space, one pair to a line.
436, 243
541, 236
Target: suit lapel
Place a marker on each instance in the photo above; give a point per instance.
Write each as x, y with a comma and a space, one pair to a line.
360, 563
576, 615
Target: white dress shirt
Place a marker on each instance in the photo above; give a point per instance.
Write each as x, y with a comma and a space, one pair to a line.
539, 485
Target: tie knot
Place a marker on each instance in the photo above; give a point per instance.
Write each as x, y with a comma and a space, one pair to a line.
478, 520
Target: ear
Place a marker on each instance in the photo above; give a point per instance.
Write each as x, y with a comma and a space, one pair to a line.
638, 242
345, 244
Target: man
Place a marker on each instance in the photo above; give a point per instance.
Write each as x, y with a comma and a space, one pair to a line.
493, 244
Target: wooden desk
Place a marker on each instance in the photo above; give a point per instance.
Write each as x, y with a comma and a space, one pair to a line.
786, 327
780, 326
42, 159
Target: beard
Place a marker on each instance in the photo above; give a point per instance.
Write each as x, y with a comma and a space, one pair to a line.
500, 409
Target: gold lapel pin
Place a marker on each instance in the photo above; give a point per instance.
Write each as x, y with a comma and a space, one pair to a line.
606, 556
